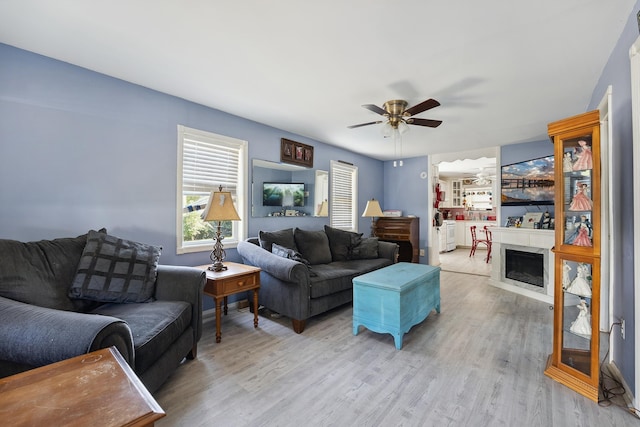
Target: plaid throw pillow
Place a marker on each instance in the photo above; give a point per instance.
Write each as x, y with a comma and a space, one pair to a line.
115, 270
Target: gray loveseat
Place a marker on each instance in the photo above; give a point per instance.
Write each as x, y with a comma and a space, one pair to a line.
51, 308
305, 273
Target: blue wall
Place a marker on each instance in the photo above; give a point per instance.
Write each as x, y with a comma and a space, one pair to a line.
405, 190
81, 150
617, 74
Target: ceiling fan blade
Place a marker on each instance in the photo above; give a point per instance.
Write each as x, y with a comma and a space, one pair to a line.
419, 108
424, 122
364, 124
375, 109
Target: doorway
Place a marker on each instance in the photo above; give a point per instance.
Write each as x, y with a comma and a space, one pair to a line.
456, 174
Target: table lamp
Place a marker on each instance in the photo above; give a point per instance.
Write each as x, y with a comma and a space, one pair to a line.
220, 208
372, 210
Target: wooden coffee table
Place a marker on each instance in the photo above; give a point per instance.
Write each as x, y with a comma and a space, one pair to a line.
235, 279
95, 389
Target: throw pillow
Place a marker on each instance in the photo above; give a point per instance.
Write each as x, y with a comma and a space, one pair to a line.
313, 245
41, 272
283, 238
366, 249
276, 249
115, 270
341, 242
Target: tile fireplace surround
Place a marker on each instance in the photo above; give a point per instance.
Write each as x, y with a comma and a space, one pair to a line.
525, 240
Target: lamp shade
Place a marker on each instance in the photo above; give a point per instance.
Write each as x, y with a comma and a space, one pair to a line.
220, 207
372, 209
324, 209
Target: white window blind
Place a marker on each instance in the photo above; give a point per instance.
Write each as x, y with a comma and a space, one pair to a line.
344, 198
207, 161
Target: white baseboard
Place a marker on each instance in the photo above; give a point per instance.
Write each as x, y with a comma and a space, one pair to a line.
628, 394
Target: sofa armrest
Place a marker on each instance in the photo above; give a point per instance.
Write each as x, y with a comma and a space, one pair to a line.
178, 283
284, 283
388, 250
279, 267
37, 336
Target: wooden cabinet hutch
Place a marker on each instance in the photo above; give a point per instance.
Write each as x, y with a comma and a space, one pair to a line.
405, 231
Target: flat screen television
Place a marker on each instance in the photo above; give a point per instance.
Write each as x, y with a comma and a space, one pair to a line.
528, 183
283, 194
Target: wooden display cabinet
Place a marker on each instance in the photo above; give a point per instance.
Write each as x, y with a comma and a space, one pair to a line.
576, 345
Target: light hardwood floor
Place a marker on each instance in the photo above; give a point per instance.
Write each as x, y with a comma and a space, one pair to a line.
479, 362
459, 261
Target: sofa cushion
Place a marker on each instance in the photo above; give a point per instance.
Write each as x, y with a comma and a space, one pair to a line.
154, 326
115, 270
337, 276
41, 273
282, 237
366, 249
341, 242
313, 245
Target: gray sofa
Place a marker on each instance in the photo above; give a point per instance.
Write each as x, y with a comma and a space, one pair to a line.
305, 273
51, 308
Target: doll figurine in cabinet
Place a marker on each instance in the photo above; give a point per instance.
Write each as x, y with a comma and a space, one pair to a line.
585, 158
566, 276
582, 233
581, 200
580, 285
567, 162
582, 324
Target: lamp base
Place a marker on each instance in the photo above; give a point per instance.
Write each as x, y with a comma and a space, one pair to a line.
217, 254
217, 266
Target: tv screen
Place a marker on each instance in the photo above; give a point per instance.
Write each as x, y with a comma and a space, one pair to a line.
528, 183
283, 194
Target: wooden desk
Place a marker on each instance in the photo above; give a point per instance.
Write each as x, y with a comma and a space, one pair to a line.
95, 389
235, 279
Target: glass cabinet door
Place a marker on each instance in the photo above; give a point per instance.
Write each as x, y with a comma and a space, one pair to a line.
577, 193
577, 306
577, 190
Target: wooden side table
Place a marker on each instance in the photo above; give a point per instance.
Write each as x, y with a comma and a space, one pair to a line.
95, 389
236, 278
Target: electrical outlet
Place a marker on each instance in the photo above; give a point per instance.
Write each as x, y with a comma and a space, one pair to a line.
421, 252
622, 328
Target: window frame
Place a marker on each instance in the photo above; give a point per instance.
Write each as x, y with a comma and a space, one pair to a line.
343, 180
239, 227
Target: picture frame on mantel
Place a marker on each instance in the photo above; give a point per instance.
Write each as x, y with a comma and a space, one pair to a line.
296, 153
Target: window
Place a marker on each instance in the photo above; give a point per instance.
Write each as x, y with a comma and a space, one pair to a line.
205, 162
344, 196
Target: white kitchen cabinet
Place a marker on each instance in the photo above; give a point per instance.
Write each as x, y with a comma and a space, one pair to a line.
456, 194
460, 230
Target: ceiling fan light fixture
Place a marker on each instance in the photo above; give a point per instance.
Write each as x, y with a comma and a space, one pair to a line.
387, 130
403, 127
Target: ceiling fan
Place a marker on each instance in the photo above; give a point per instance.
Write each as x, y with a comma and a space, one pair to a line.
484, 178
399, 116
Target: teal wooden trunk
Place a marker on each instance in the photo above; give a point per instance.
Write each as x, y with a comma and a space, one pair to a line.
395, 298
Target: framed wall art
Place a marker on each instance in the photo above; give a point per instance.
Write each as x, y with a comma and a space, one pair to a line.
296, 153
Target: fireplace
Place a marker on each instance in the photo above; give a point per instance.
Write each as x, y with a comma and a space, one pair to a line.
527, 267
533, 247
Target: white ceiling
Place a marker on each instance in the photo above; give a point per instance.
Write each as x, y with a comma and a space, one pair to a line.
501, 69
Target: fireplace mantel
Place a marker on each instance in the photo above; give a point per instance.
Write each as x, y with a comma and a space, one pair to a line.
527, 240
